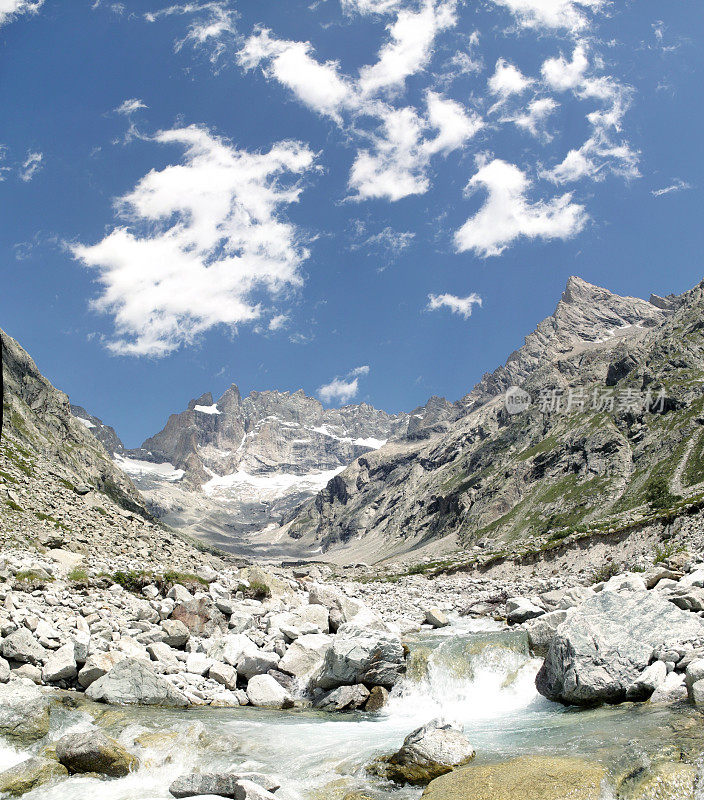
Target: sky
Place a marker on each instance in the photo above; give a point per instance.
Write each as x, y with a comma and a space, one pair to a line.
371, 200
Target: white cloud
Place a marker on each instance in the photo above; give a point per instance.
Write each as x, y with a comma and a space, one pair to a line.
31, 165
342, 390
453, 123
412, 37
678, 186
319, 86
370, 6
203, 242
130, 106
212, 24
278, 322
552, 14
394, 242
507, 80
10, 8
508, 215
561, 74
534, 118
457, 305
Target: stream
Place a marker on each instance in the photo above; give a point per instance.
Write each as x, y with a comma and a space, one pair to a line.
476, 673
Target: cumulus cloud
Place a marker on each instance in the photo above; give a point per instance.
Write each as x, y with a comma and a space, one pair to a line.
342, 390
571, 15
678, 186
130, 106
31, 165
507, 80
319, 86
9, 9
508, 214
533, 119
203, 242
561, 74
457, 305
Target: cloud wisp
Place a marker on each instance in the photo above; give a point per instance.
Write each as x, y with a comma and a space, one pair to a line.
10, 9
457, 305
342, 390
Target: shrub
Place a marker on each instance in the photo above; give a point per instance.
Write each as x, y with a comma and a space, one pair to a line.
667, 550
78, 575
605, 571
255, 590
658, 494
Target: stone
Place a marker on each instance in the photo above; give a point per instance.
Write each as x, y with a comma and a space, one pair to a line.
666, 781
695, 672
30, 774
358, 655
436, 618
221, 784
201, 616
627, 582
520, 609
93, 751
606, 643
21, 646
541, 630
232, 648
378, 698
249, 790
525, 778
96, 666
265, 692
223, 674
198, 663
4, 671
61, 665
344, 698
179, 594
161, 652
671, 690
696, 693
647, 682
24, 712
30, 672
257, 664
132, 682
306, 655
176, 634
427, 753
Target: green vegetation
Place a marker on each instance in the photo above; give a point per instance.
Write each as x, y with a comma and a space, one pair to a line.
665, 551
657, 493
14, 506
255, 590
32, 576
7, 477
604, 572
77, 575
48, 518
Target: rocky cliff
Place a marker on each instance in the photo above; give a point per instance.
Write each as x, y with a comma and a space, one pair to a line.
585, 455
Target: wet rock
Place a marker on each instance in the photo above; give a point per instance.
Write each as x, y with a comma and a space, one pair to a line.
671, 690
132, 682
61, 665
265, 692
666, 781
365, 656
30, 774
24, 712
526, 778
21, 646
344, 698
248, 790
306, 655
93, 751
427, 753
220, 784
378, 698
606, 643
436, 618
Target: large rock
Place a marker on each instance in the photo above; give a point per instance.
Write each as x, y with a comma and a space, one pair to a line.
23, 647
24, 712
221, 784
306, 655
265, 692
132, 682
232, 648
344, 698
365, 656
521, 609
30, 774
542, 629
257, 664
96, 666
526, 778
606, 643
201, 617
61, 665
427, 753
93, 751
176, 634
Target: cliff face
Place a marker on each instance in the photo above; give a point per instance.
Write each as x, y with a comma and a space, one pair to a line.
501, 481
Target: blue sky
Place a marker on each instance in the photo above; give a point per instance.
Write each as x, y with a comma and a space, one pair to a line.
367, 199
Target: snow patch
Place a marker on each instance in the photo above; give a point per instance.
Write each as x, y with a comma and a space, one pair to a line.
86, 422
375, 444
207, 409
270, 485
141, 469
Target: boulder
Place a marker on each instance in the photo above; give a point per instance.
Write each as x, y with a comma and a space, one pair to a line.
176, 634
232, 648
30, 774
93, 751
160, 651
198, 663
525, 778
201, 617
61, 665
665, 781
604, 645
541, 630
132, 682
647, 682
221, 784
265, 692
671, 690
249, 790
224, 674
4, 671
306, 655
627, 582
427, 753
344, 698
24, 712
436, 618
21, 646
257, 664
378, 698
358, 655
521, 609
96, 666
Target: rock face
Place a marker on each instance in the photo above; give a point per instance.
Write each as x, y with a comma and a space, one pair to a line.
132, 682
528, 778
93, 751
450, 487
24, 712
433, 750
605, 644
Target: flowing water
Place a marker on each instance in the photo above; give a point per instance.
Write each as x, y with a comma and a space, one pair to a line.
477, 674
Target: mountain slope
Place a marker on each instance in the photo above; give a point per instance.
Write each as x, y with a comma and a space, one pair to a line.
498, 481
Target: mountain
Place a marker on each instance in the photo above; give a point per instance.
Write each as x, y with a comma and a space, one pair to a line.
221, 469
491, 480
